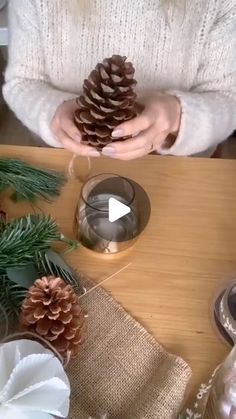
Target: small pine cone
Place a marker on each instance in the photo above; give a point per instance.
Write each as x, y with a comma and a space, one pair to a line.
52, 310
108, 100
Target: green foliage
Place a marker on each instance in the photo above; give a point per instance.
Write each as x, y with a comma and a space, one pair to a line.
51, 263
11, 296
24, 242
25, 255
24, 276
12, 293
29, 183
22, 238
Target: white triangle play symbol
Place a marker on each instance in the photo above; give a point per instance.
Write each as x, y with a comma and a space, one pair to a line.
117, 210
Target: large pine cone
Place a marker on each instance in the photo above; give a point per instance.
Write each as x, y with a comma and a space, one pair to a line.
108, 100
52, 310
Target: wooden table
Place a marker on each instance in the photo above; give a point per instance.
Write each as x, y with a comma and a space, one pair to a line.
187, 252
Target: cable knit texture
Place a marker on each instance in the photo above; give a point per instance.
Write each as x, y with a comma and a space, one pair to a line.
53, 47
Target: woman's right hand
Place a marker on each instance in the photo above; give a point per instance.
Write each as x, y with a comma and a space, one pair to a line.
65, 130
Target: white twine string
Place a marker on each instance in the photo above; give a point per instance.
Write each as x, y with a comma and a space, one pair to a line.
105, 280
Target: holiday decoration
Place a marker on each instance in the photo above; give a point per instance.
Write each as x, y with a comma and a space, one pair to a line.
29, 183
33, 383
25, 254
52, 310
108, 100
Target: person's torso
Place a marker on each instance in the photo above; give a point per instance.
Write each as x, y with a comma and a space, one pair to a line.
165, 52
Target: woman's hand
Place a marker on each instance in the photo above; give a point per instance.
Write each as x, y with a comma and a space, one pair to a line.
65, 130
149, 130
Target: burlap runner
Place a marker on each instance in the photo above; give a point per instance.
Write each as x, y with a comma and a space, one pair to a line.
122, 371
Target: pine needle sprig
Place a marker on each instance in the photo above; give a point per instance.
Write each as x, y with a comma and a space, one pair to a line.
29, 183
22, 238
51, 263
11, 296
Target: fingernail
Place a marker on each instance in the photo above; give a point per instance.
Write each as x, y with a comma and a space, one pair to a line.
117, 133
94, 153
108, 151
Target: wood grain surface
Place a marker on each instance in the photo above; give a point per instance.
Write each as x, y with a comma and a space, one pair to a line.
184, 257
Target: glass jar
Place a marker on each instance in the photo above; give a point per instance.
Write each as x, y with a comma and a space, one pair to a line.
95, 230
223, 395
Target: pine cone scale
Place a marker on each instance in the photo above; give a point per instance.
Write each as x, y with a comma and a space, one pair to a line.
40, 312
51, 338
98, 116
52, 316
103, 73
30, 319
57, 329
54, 309
43, 326
96, 96
86, 118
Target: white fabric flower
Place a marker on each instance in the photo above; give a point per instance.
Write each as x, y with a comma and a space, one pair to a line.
33, 383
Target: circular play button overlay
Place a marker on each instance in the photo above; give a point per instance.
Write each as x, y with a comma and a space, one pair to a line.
113, 209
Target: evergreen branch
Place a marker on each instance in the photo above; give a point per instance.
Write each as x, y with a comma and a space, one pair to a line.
29, 183
22, 238
11, 296
58, 268
49, 263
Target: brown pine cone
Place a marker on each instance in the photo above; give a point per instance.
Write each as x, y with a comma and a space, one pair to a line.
52, 310
108, 100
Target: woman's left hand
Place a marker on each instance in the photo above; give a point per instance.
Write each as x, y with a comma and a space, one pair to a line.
149, 130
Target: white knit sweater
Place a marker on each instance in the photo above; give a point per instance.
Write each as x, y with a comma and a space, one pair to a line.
53, 48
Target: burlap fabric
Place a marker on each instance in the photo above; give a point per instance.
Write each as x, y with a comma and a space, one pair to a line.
122, 371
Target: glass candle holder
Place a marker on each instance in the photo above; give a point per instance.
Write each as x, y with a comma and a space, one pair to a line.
223, 393
95, 231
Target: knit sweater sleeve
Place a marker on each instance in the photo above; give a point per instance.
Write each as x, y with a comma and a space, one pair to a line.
27, 88
209, 109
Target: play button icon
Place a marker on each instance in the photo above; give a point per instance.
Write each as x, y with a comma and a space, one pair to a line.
113, 212
117, 210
